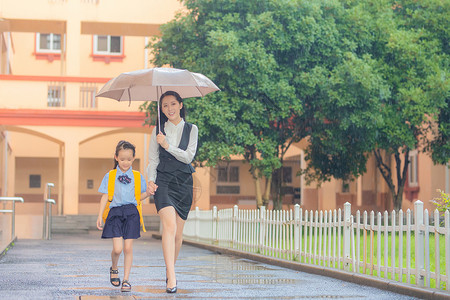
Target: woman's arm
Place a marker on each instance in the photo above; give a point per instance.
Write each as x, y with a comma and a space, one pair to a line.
151, 188
186, 156
153, 157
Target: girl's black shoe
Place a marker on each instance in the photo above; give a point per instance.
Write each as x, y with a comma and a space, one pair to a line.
114, 281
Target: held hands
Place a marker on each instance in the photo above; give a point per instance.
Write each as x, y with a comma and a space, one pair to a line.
151, 188
99, 223
161, 139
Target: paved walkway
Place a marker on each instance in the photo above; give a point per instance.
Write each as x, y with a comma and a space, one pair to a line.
77, 267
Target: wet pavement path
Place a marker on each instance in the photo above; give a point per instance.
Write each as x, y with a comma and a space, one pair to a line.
77, 267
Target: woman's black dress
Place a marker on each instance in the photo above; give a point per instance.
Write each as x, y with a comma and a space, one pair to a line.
174, 179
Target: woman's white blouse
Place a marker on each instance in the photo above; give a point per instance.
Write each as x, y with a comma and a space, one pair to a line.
173, 138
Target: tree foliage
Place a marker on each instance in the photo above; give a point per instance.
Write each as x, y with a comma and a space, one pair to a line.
355, 77
259, 53
407, 57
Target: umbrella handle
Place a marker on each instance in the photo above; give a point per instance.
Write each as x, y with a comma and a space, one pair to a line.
159, 115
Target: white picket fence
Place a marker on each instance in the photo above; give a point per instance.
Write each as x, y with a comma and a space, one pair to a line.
395, 246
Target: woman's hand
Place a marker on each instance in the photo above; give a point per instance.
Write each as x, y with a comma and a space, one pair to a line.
151, 188
161, 139
99, 223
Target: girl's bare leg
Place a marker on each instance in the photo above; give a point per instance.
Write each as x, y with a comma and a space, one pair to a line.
168, 220
178, 236
128, 258
115, 254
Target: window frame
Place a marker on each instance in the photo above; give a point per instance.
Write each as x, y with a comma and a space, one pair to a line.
62, 94
345, 187
95, 50
413, 169
285, 171
38, 44
90, 184
35, 178
226, 170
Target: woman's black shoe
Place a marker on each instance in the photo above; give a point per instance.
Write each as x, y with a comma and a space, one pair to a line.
171, 290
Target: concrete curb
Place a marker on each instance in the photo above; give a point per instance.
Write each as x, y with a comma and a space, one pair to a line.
385, 284
8, 247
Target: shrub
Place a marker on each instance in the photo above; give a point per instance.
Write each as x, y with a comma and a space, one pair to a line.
442, 203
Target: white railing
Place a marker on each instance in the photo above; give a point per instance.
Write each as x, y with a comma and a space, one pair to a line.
12, 211
47, 220
396, 246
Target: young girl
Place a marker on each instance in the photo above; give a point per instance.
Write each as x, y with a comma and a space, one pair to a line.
170, 177
121, 210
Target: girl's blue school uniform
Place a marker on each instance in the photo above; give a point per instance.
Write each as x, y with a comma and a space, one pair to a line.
123, 219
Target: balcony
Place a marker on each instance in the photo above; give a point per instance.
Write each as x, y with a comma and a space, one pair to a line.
62, 101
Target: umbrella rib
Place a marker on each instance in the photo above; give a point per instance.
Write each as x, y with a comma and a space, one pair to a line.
197, 87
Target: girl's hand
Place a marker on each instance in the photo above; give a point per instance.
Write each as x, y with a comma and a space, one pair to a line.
161, 139
151, 188
99, 223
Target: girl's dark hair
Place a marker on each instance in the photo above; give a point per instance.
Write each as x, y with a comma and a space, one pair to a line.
122, 145
163, 116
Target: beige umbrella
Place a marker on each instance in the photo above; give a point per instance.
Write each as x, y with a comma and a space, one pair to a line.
150, 84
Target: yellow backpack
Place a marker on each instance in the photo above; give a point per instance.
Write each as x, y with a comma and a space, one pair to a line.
137, 194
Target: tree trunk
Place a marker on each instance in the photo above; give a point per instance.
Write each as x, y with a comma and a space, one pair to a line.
266, 196
277, 195
257, 180
278, 203
385, 169
401, 178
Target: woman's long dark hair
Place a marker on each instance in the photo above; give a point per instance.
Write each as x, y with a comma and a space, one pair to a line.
164, 119
122, 145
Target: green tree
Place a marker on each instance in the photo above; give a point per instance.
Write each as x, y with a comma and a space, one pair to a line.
408, 62
260, 54
356, 77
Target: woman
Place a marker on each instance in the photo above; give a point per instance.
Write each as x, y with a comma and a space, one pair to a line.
172, 148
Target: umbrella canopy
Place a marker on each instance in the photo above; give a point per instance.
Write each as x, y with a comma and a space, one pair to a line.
150, 84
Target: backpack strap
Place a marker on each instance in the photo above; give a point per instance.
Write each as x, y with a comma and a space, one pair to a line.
137, 195
111, 182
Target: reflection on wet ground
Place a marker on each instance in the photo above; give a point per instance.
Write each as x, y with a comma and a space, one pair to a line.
106, 297
212, 297
81, 275
69, 267
231, 270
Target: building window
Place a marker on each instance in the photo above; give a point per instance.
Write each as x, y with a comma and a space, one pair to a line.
90, 184
228, 189
48, 42
87, 97
228, 174
233, 175
35, 181
108, 45
345, 187
413, 174
222, 174
287, 174
56, 96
